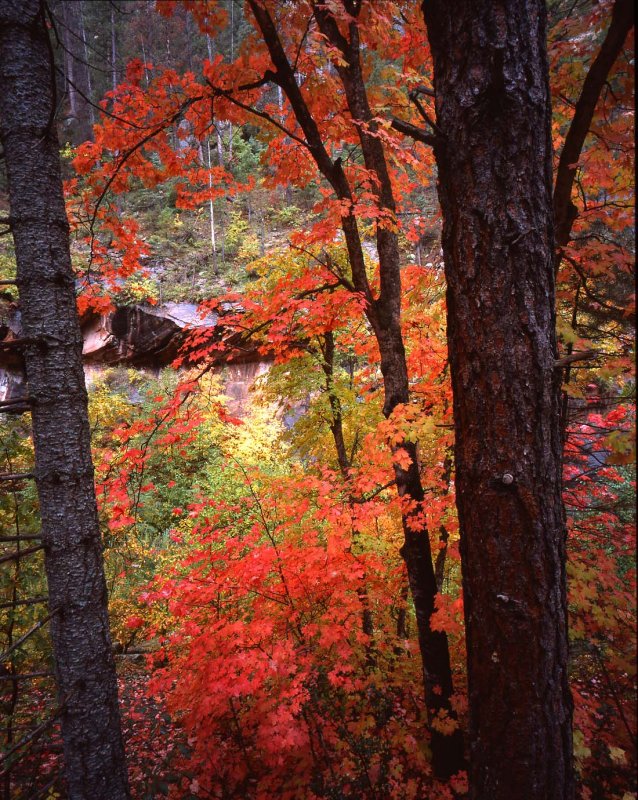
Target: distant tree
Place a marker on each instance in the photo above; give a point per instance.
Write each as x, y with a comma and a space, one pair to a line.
84, 665
76, 69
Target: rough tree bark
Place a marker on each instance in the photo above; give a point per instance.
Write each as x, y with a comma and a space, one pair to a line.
384, 314
495, 187
85, 672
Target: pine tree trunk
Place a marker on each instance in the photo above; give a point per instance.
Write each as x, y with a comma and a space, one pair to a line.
84, 667
495, 170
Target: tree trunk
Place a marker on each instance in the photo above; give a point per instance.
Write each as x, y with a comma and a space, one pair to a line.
84, 667
495, 168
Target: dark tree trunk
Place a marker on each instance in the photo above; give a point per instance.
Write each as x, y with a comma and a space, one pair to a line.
495, 170
384, 315
85, 671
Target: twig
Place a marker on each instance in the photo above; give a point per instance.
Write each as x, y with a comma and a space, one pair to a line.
26, 538
577, 355
41, 792
414, 96
26, 676
17, 476
31, 736
43, 341
19, 642
31, 602
17, 554
415, 133
421, 89
15, 401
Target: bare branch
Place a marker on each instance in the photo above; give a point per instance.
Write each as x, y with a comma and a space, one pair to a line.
19, 642
252, 110
18, 554
577, 355
415, 133
17, 476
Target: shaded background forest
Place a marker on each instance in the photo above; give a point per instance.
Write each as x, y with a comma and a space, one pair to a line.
266, 645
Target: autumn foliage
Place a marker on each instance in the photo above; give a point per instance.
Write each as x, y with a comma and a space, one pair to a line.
262, 559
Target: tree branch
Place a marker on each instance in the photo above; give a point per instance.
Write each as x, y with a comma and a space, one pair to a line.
332, 171
414, 96
415, 133
617, 314
565, 212
252, 110
577, 355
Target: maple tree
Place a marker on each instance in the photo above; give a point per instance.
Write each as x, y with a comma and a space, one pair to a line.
376, 202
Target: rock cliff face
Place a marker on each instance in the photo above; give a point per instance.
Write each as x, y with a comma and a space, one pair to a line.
143, 337
139, 335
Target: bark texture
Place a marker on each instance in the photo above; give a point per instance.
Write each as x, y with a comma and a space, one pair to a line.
85, 672
495, 170
384, 314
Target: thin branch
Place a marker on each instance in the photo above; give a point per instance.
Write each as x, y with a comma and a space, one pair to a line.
421, 89
577, 355
128, 153
99, 108
366, 498
13, 402
18, 554
30, 737
424, 114
44, 790
262, 114
22, 341
32, 601
25, 676
268, 77
58, 22
326, 265
301, 42
616, 313
415, 133
19, 642
17, 476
